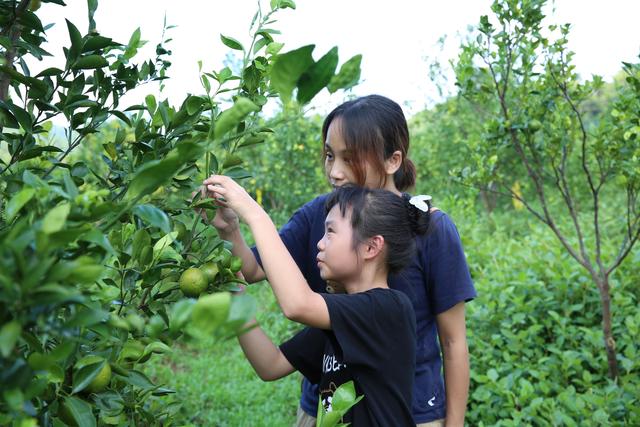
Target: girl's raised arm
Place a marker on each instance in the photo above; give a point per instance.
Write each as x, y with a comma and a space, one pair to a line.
297, 301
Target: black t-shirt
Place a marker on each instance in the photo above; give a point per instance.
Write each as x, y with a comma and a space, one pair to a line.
372, 341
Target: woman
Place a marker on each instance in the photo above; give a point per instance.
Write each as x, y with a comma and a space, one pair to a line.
366, 335
366, 142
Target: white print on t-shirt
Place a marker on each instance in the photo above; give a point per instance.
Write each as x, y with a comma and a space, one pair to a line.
331, 364
432, 401
328, 396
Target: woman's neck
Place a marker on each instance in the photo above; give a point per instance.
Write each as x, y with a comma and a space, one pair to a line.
390, 185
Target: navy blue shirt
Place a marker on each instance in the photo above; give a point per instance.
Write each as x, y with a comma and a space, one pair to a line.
436, 279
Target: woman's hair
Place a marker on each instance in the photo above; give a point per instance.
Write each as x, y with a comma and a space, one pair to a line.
374, 127
381, 212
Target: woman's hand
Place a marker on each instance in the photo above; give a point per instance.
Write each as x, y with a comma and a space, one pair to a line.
230, 196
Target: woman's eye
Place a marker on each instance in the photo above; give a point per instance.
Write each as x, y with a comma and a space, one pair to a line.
329, 156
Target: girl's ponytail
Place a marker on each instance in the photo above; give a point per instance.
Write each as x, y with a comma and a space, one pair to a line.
418, 212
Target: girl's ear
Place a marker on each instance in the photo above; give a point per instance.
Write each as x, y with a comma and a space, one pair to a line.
393, 163
373, 247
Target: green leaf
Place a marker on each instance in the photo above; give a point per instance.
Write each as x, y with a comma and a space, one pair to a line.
52, 71
133, 45
88, 317
76, 42
140, 380
157, 347
179, 314
9, 336
90, 62
237, 173
274, 47
97, 237
348, 76
231, 42
152, 105
209, 312
69, 186
36, 151
287, 69
234, 115
163, 243
344, 397
56, 218
80, 411
317, 76
157, 172
231, 160
193, 104
17, 202
84, 374
98, 42
153, 216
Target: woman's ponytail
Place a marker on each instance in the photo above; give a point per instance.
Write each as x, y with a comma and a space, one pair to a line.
405, 176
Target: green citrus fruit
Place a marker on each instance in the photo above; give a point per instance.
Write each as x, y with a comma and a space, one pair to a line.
34, 5
210, 271
535, 125
226, 257
193, 282
101, 381
181, 229
235, 264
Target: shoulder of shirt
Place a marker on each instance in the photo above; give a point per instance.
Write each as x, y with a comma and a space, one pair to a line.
393, 294
316, 203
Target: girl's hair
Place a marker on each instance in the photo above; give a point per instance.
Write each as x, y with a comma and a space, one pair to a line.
374, 127
381, 212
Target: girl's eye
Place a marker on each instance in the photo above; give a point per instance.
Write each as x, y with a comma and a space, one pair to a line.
329, 156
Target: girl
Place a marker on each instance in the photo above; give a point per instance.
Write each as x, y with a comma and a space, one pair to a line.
366, 142
366, 335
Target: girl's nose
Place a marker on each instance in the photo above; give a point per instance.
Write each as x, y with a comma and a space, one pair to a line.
320, 244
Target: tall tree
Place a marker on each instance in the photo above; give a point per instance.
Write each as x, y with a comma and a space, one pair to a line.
581, 180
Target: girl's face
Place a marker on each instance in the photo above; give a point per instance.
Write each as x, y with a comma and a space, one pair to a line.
337, 258
338, 163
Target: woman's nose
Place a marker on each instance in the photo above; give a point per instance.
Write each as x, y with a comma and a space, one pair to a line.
336, 172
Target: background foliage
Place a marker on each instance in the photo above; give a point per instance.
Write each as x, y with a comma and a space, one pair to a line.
80, 291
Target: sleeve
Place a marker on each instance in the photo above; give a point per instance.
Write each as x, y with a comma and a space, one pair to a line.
296, 232
304, 351
448, 280
367, 325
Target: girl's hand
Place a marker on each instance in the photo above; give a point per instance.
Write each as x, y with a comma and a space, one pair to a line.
225, 219
229, 194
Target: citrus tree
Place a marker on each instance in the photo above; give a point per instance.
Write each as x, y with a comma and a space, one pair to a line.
576, 173
103, 259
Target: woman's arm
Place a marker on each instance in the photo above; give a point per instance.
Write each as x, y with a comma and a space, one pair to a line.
227, 224
267, 359
453, 342
297, 301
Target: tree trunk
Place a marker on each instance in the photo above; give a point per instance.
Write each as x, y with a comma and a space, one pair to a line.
609, 342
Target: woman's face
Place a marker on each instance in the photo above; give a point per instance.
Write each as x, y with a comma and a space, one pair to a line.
338, 162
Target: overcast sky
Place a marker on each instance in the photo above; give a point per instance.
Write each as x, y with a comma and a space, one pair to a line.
397, 39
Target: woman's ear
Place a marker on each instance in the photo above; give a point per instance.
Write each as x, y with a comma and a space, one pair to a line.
393, 163
373, 247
